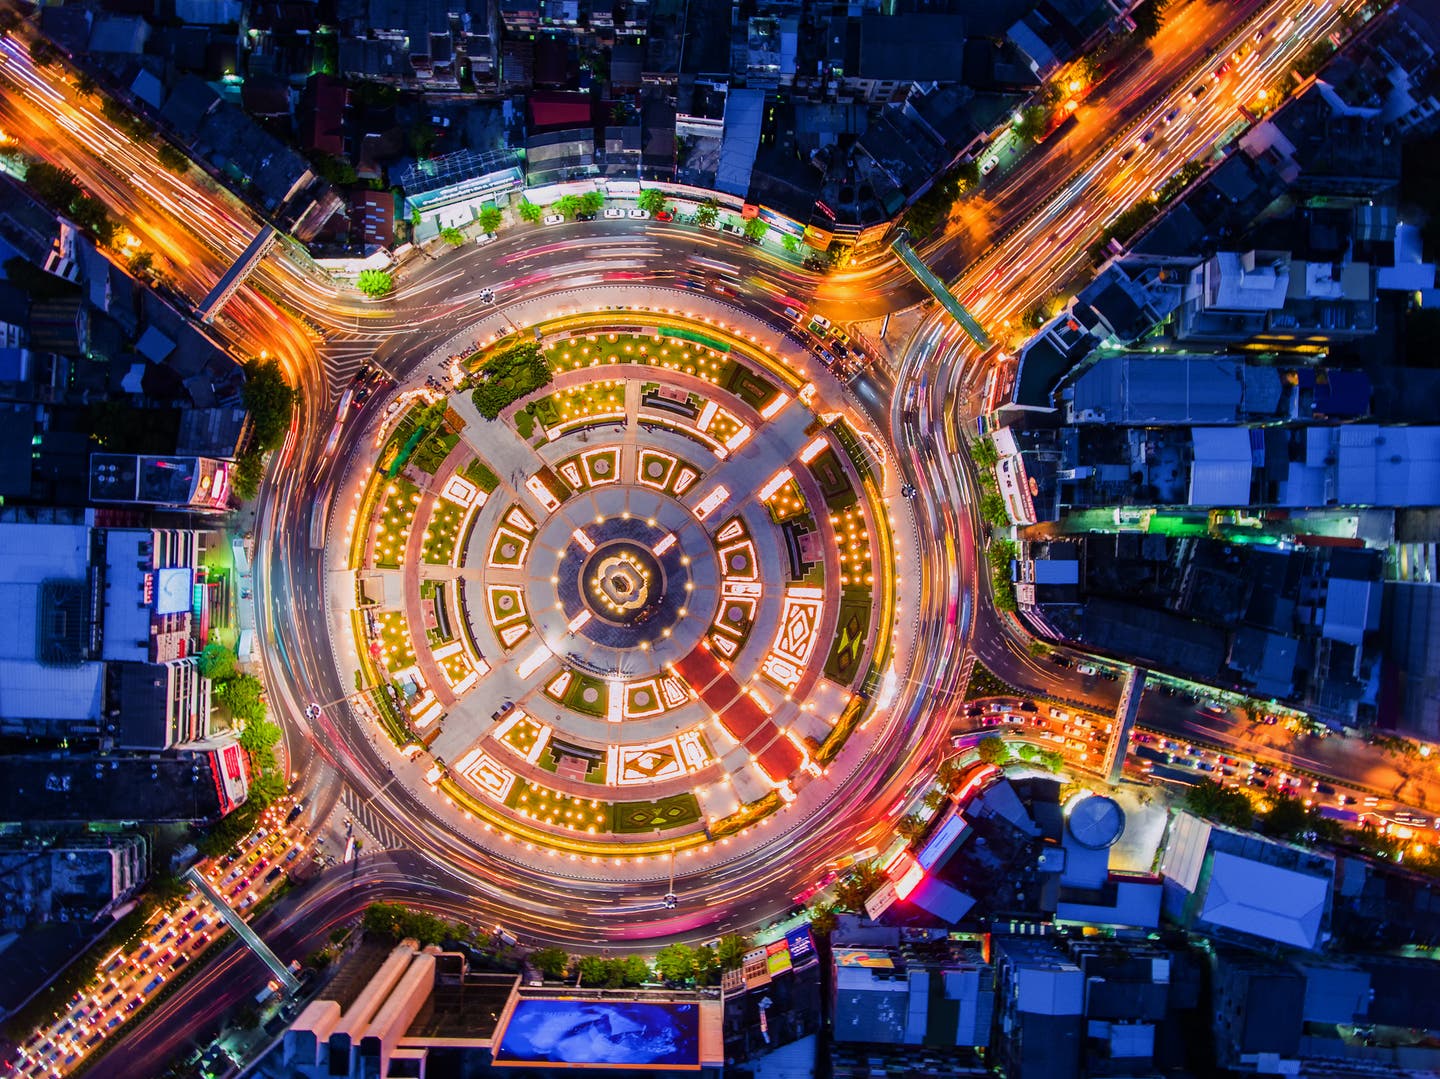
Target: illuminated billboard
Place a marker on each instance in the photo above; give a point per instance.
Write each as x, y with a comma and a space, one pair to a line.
937, 847
802, 946
595, 1033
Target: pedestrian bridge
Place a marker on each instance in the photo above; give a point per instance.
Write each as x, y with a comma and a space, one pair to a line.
235, 276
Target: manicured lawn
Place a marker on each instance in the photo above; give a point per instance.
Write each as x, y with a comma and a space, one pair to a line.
522, 736
479, 473
749, 387
503, 379
397, 651
431, 454
842, 665
677, 811
586, 695
443, 533
394, 521
786, 502
834, 482
560, 810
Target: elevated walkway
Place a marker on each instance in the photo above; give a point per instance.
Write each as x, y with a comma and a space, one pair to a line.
936, 288
236, 274
1125, 713
244, 932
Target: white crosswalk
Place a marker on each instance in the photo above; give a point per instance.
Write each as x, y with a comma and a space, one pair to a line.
369, 825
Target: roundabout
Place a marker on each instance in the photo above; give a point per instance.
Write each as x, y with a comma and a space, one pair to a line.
619, 602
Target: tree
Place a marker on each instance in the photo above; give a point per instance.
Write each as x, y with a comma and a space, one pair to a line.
992, 750
707, 212
984, 453
756, 229
42, 52
141, 263
490, 219
528, 211
651, 200
594, 971
1051, 759
452, 236
731, 950
90, 213
851, 893
789, 243
1221, 804
707, 965
566, 206
935, 797
632, 970
375, 283
992, 508
217, 662
246, 475
53, 185
911, 827
823, 919
676, 963
551, 962
1149, 17
242, 696
259, 736
269, 399
266, 782
1031, 125
592, 202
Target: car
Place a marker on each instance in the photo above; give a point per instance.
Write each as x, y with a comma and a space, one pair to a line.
1060, 714
1128, 154
270, 876
133, 1005
988, 165
1060, 661
583, 216
991, 721
294, 853
973, 711
614, 212
1144, 140
113, 1023
1014, 719
189, 915
1142, 737
554, 219
1171, 115
821, 321
792, 313
1221, 71
664, 215
637, 213
486, 238
1087, 670
995, 706
1028, 706
1214, 708
1198, 92
1109, 675
244, 903
1347, 800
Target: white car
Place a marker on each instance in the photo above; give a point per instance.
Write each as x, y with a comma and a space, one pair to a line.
486, 238
821, 321
1087, 670
637, 213
990, 163
614, 211
554, 219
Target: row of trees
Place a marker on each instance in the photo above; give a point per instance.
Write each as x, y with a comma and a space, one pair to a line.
270, 400
62, 190
678, 964
243, 697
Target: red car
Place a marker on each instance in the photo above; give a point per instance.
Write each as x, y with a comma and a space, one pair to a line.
664, 215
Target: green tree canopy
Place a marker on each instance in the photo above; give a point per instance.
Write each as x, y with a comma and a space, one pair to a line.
707, 965
731, 950
594, 970
269, 400
566, 205
1221, 804
911, 827
452, 236
992, 750
245, 479
375, 283
592, 202
528, 211
217, 662
241, 695
398, 922
52, 184
756, 229
551, 962
676, 963
490, 218
259, 736
172, 158
707, 212
651, 200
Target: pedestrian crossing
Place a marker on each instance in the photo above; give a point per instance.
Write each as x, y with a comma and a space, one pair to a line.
369, 825
342, 356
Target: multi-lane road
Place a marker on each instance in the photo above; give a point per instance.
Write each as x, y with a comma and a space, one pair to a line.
1012, 244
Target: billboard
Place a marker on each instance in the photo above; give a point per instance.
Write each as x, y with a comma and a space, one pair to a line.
597, 1033
801, 945
173, 589
864, 957
777, 957
939, 843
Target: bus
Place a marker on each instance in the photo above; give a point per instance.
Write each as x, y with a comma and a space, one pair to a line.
319, 517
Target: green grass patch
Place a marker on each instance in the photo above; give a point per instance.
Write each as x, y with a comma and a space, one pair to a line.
587, 695
442, 534
504, 378
525, 422
749, 387
393, 523
834, 482
397, 650
746, 815
431, 454
522, 736
677, 811
480, 474
852, 630
845, 726
540, 804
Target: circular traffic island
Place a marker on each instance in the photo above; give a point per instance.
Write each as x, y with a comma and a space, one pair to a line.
629, 593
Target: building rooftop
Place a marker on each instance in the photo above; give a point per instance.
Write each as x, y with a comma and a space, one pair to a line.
177, 786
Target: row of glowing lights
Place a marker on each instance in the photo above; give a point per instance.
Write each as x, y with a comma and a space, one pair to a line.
393, 523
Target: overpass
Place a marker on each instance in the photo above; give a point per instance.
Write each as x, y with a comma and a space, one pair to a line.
235, 276
1125, 713
243, 931
936, 288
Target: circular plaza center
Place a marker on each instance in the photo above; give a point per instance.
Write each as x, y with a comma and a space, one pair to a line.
628, 590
